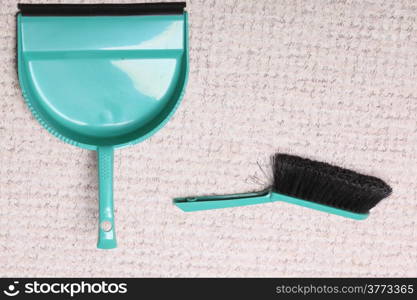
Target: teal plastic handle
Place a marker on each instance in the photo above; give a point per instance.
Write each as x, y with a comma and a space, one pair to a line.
106, 229
189, 204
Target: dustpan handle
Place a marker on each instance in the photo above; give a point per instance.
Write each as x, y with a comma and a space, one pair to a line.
106, 230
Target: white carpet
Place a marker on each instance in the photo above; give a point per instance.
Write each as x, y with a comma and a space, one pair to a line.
329, 80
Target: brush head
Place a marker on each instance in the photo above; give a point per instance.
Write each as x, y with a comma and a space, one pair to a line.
326, 184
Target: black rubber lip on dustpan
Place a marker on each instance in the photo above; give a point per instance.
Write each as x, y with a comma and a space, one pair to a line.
170, 8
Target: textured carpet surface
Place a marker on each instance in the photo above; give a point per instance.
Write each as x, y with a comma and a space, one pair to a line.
329, 80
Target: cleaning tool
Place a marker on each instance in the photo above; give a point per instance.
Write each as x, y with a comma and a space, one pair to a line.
308, 183
102, 76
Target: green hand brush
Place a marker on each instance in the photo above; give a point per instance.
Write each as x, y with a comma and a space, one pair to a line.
312, 184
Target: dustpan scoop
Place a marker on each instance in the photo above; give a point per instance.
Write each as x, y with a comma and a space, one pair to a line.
101, 77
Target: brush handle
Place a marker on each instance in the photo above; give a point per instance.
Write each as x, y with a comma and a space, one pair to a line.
190, 204
106, 230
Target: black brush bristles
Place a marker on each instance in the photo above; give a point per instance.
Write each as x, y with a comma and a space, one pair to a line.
326, 184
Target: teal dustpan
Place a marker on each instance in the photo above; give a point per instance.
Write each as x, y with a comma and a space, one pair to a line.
102, 77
